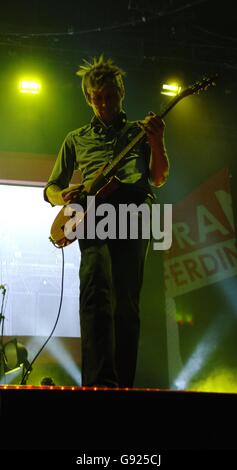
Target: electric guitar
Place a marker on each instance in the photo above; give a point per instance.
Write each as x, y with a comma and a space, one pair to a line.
63, 229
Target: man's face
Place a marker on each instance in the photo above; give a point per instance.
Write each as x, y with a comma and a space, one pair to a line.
106, 102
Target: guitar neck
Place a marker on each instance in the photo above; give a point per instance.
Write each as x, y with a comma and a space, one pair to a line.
112, 166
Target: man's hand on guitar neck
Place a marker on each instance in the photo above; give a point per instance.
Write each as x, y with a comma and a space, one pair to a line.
154, 128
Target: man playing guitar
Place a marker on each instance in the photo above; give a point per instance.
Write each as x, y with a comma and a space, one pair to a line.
111, 270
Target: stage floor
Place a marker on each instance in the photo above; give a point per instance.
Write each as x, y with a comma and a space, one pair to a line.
74, 418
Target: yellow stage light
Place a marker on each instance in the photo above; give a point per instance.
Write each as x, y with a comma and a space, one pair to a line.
30, 86
171, 89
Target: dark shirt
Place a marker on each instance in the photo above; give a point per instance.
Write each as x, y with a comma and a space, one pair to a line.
90, 146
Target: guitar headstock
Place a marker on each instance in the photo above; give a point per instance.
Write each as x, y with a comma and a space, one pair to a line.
202, 85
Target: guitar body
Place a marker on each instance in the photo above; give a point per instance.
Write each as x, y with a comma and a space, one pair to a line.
64, 228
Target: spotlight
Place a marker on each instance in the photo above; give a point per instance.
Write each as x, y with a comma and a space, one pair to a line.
29, 86
14, 355
170, 89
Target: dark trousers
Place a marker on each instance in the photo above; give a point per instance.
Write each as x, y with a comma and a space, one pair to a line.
111, 275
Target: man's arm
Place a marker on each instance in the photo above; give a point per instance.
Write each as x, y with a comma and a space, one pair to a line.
159, 164
54, 195
59, 197
58, 184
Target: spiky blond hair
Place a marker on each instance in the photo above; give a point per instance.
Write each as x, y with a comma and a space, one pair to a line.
98, 73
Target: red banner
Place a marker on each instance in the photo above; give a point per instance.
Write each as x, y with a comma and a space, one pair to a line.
204, 245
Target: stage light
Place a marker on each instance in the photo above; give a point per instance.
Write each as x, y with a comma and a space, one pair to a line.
171, 89
30, 86
58, 350
14, 356
184, 318
202, 353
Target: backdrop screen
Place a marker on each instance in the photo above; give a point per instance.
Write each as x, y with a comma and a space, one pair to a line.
31, 267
